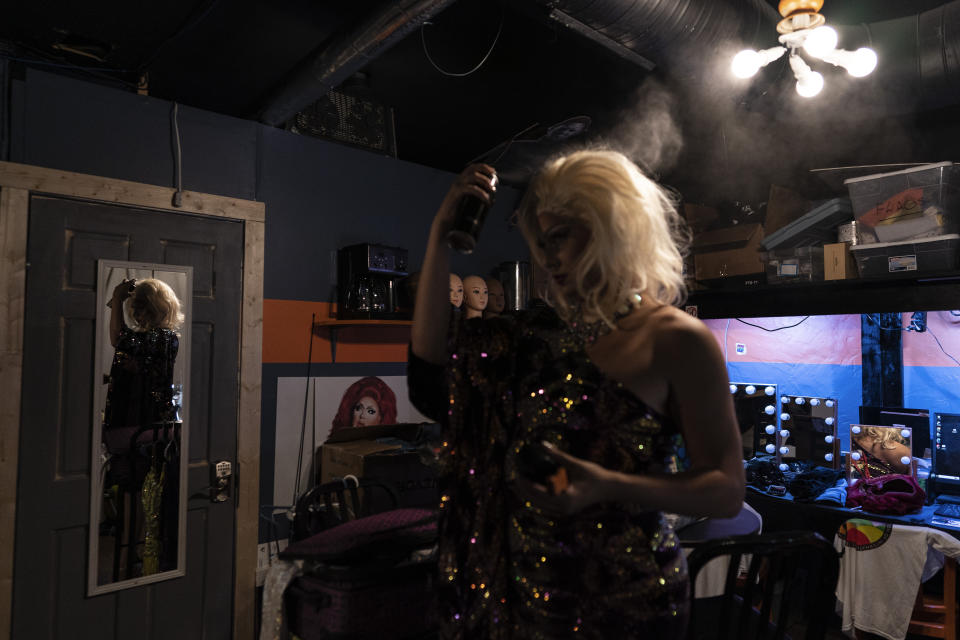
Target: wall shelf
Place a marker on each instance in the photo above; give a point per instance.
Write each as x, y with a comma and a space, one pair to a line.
830, 298
333, 325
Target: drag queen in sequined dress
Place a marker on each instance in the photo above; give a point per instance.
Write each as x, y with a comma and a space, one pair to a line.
610, 375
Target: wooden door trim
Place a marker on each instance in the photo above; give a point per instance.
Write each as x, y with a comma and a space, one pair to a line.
17, 183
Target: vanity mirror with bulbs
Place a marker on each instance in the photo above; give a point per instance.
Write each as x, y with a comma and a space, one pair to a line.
879, 450
756, 408
808, 431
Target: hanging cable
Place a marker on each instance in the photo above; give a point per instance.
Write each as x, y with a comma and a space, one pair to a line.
303, 424
941, 347
453, 74
177, 155
791, 326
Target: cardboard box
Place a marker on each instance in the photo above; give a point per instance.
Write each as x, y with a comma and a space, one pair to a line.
783, 207
375, 453
699, 216
838, 262
733, 251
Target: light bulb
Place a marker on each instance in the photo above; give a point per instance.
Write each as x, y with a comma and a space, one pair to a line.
784, 451
733, 388
750, 389
829, 422
862, 62
810, 85
746, 63
770, 429
905, 433
769, 391
829, 403
784, 466
855, 455
820, 41
769, 410
799, 400
784, 417
784, 400
855, 429
784, 433
814, 401
828, 439
770, 448
828, 457
905, 460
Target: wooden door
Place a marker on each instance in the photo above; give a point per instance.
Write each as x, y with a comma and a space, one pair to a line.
65, 240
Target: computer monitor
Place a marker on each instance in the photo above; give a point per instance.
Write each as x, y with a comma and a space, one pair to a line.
946, 458
917, 420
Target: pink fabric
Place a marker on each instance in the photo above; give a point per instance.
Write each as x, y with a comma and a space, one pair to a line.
895, 494
398, 528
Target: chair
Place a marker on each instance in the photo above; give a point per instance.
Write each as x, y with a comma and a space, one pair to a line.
936, 617
789, 571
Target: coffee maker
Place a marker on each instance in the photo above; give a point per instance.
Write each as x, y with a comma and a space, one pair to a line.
368, 282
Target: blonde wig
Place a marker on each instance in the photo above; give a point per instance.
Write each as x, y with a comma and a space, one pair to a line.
886, 437
154, 305
637, 239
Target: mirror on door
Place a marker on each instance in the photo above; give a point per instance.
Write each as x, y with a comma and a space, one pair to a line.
138, 485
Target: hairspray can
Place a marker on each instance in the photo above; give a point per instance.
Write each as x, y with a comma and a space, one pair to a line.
468, 221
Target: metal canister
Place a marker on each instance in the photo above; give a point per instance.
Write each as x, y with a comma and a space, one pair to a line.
515, 278
847, 232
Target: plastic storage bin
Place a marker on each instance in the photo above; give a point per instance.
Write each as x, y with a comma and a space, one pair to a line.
915, 203
801, 264
908, 259
817, 226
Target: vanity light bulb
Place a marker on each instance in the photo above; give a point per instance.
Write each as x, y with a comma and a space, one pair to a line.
829, 403
784, 451
855, 455
784, 417
905, 460
784, 467
733, 388
784, 400
829, 422
855, 430
746, 63
828, 439
750, 389
799, 400
810, 85
820, 41
814, 402
769, 390
828, 457
905, 433
769, 410
770, 448
770, 429
785, 433
863, 62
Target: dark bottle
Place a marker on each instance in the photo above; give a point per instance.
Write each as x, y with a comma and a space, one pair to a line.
467, 222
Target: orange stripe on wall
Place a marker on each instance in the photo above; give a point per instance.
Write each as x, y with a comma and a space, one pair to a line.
286, 336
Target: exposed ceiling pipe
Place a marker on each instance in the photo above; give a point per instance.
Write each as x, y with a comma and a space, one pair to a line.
327, 67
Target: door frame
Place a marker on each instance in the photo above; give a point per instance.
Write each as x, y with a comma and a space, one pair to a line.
18, 182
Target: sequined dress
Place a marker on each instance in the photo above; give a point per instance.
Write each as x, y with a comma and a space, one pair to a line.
506, 570
140, 390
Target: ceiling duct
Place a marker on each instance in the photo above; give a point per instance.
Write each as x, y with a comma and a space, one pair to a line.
326, 68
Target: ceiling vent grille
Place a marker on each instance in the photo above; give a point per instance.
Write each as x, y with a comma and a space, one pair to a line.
348, 119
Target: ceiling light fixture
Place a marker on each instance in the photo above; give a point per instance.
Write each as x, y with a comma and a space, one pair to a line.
803, 27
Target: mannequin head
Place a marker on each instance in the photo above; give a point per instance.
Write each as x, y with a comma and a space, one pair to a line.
475, 295
497, 301
456, 290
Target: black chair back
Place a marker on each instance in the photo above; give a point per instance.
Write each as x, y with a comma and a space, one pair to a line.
790, 573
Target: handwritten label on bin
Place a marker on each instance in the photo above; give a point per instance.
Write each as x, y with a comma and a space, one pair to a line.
899, 207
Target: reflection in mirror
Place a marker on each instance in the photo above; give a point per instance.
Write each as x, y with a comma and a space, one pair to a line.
139, 462
756, 407
878, 451
808, 431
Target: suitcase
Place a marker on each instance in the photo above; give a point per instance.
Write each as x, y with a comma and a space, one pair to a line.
371, 578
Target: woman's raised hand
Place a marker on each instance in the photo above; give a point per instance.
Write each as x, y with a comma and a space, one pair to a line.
478, 179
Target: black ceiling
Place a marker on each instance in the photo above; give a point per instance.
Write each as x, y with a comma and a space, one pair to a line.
230, 56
